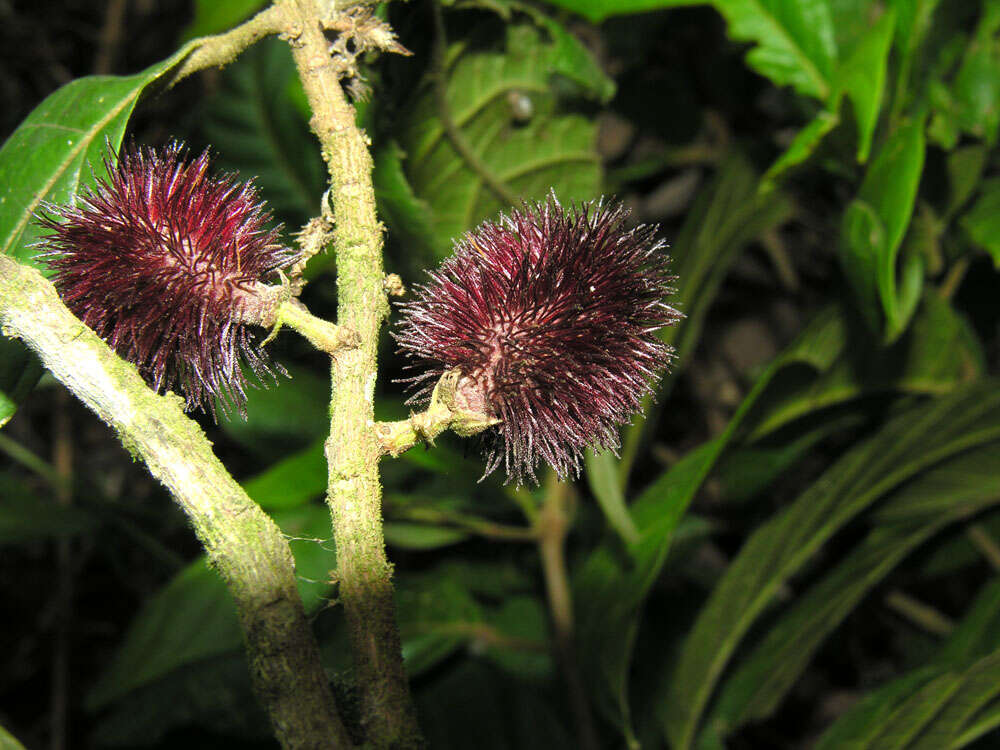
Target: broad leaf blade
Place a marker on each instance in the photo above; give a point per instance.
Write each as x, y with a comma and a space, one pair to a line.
553, 150
58, 149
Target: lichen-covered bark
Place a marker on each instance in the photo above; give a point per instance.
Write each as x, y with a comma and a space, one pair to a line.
242, 542
364, 574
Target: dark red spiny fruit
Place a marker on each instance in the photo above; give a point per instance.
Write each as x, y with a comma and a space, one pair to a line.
551, 315
166, 262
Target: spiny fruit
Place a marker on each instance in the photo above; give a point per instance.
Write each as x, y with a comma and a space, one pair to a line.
552, 317
168, 264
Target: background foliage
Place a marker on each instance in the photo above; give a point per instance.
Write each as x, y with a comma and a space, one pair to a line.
800, 542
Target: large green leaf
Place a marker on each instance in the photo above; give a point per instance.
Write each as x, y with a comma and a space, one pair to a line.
794, 41
906, 445
290, 482
553, 150
58, 150
952, 490
872, 232
193, 618
862, 78
598, 10
283, 415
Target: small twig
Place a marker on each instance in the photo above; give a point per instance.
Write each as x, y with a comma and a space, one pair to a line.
985, 543
439, 76
780, 258
953, 280
923, 615
442, 414
552, 526
220, 50
325, 336
480, 526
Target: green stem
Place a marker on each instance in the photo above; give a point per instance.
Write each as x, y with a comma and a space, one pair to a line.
220, 50
324, 335
242, 542
352, 450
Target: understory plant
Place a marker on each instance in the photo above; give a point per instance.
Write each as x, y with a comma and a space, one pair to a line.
636, 420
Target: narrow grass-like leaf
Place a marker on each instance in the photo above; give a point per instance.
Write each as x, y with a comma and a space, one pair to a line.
952, 490
907, 444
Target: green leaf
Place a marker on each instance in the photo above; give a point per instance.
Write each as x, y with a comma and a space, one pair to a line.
913, 21
9, 741
934, 716
410, 219
58, 150
971, 104
193, 617
965, 168
794, 41
25, 517
950, 491
216, 16
602, 477
975, 636
612, 584
802, 147
553, 150
862, 79
290, 482
19, 372
422, 536
872, 232
251, 123
283, 415
572, 60
936, 354
907, 444
598, 10
982, 221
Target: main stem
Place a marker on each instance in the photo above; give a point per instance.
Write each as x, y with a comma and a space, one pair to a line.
241, 541
354, 492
